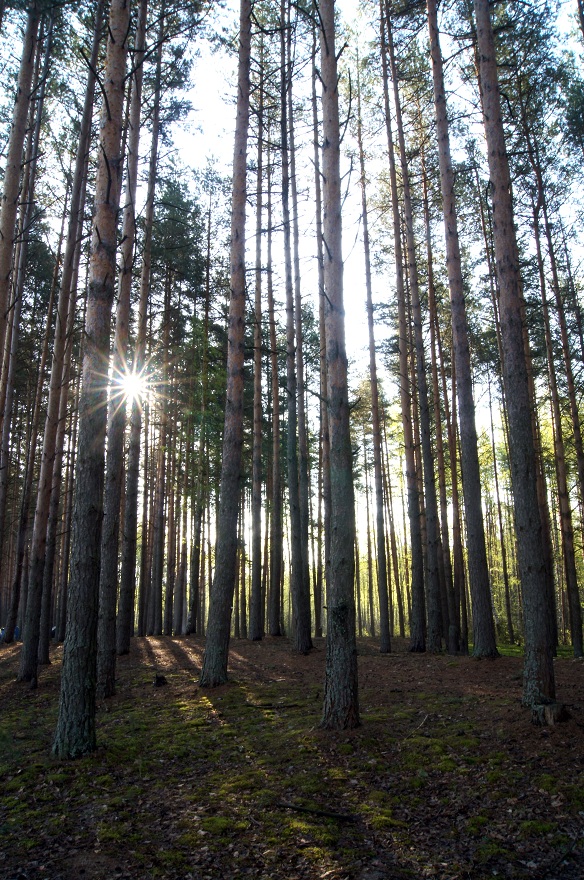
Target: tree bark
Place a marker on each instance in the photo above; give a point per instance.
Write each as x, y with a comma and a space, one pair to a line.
324, 502
341, 703
12, 169
214, 670
300, 599
382, 579
539, 682
124, 622
29, 654
274, 604
484, 640
303, 484
566, 525
418, 615
108, 579
432, 532
255, 605
75, 734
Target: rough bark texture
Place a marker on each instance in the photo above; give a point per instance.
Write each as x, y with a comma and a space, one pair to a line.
303, 483
108, 580
484, 642
418, 614
539, 683
10, 193
432, 531
214, 670
300, 599
565, 510
382, 585
324, 500
75, 734
274, 627
28, 658
255, 604
341, 704
124, 623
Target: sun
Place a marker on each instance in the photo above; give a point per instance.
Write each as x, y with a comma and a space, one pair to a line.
133, 386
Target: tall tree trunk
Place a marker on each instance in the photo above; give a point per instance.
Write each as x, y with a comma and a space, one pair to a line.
300, 598
21, 254
194, 619
369, 550
124, 622
303, 485
75, 734
447, 583
274, 605
214, 670
108, 579
178, 617
12, 169
255, 606
171, 500
418, 615
325, 482
155, 616
28, 658
506, 585
382, 587
432, 532
341, 703
23, 520
566, 526
484, 640
539, 681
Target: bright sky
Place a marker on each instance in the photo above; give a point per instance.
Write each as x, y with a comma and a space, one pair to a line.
211, 135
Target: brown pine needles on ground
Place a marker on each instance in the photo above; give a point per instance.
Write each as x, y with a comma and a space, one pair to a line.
446, 778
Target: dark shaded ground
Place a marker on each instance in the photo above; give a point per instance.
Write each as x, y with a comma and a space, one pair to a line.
446, 778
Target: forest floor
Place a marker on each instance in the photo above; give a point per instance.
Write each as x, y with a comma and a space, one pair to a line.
446, 778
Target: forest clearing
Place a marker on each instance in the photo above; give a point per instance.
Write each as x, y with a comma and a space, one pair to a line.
445, 778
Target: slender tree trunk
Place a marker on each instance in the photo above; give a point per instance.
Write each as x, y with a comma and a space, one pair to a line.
178, 619
274, 605
155, 616
75, 734
12, 169
21, 255
214, 670
255, 608
303, 485
108, 579
566, 526
484, 640
506, 585
300, 599
341, 704
28, 658
382, 587
418, 615
124, 623
325, 500
432, 533
447, 584
199, 492
23, 521
369, 550
170, 580
539, 681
